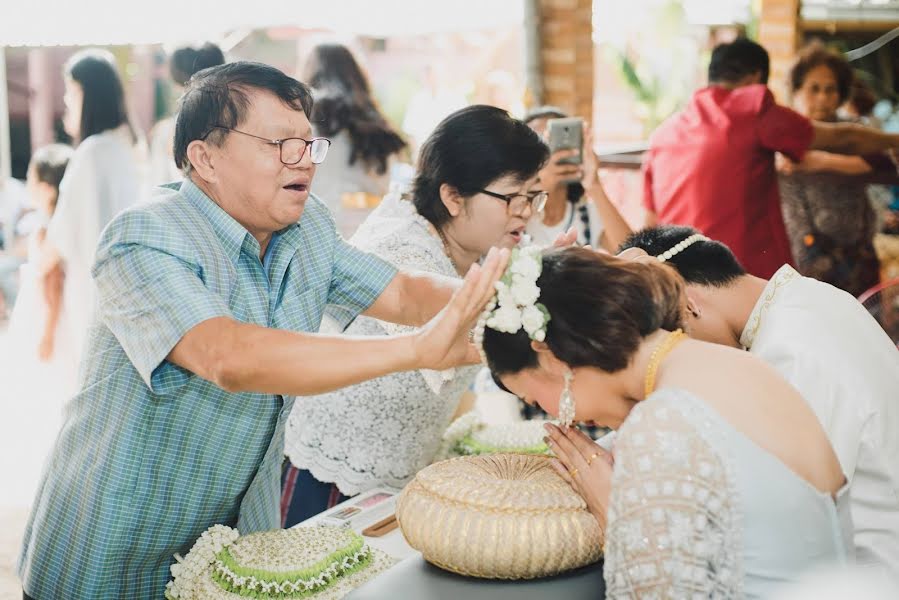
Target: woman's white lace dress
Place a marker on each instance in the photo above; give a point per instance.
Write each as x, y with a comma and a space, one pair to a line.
698, 510
383, 431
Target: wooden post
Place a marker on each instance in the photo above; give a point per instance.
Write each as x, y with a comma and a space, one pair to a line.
780, 30
566, 53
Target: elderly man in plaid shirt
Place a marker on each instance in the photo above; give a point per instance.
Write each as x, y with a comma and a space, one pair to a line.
207, 299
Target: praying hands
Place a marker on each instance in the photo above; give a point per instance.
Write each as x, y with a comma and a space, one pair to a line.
584, 465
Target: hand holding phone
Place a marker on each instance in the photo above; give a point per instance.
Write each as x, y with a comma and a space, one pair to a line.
566, 134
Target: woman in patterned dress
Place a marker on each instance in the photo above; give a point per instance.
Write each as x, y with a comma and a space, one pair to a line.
829, 220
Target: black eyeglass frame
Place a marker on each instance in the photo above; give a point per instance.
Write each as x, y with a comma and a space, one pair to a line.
531, 198
280, 144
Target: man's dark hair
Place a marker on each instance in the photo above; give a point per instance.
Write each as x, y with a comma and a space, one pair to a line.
732, 62
220, 97
468, 150
103, 105
705, 262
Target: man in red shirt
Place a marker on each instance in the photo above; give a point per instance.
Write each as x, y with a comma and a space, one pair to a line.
711, 166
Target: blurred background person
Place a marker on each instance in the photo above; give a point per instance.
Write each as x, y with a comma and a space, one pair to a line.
582, 204
38, 370
13, 203
830, 221
363, 143
103, 177
184, 62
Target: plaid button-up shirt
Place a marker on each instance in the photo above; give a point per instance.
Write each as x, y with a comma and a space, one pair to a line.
151, 455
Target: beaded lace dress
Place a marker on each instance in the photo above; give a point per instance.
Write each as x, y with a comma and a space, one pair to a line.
698, 510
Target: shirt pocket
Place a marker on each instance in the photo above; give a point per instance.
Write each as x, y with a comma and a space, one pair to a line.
301, 311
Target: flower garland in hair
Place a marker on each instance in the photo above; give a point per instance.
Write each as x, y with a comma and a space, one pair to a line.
515, 306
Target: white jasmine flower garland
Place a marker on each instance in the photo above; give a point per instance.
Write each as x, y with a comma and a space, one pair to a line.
515, 305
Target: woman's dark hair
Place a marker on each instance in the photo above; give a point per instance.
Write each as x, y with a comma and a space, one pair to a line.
49, 164
220, 97
103, 107
732, 62
574, 191
705, 262
343, 101
468, 150
815, 55
601, 307
186, 61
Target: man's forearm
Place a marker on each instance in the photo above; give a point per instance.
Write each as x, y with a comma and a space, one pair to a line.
851, 138
243, 357
427, 295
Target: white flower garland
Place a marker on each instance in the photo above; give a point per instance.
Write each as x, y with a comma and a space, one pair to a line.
187, 571
515, 304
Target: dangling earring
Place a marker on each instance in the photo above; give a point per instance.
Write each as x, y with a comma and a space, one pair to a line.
566, 400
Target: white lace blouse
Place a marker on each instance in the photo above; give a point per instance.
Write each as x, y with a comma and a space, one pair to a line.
698, 510
383, 431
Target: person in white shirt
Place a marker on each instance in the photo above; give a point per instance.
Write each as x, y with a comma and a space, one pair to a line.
103, 178
824, 343
576, 195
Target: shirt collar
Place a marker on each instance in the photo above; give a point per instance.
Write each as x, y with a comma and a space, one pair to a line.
784, 276
233, 235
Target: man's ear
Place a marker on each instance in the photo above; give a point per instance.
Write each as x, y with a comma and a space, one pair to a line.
202, 160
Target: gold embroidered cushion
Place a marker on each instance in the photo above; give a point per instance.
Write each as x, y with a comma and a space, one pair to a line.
498, 516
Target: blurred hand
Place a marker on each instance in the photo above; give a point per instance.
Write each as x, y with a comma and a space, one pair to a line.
784, 165
591, 160
444, 342
555, 174
563, 240
45, 347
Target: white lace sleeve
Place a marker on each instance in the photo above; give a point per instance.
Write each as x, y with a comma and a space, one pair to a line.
672, 528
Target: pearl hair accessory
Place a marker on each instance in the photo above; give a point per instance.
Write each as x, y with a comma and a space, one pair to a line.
681, 246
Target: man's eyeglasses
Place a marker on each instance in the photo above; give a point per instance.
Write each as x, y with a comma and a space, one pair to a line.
291, 149
517, 203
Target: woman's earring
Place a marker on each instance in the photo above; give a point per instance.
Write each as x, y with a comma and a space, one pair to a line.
566, 401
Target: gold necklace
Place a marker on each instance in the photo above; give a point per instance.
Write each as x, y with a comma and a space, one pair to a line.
655, 359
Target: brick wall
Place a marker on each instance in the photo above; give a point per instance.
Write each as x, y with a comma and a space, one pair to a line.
779, 33
566, 42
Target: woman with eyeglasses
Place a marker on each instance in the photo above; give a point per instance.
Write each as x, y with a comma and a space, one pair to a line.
476, 187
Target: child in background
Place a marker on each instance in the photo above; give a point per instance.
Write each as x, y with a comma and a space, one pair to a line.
37, 374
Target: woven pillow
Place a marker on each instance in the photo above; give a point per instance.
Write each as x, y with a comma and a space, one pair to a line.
318, 563
498, 516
